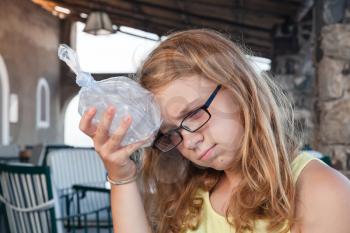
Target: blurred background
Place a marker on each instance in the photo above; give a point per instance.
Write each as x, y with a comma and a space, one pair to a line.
303, 44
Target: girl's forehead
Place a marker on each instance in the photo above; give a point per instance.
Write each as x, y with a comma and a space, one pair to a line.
175, 98
182, 93
185, 88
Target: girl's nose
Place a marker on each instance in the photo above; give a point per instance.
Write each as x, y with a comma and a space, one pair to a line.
191, 140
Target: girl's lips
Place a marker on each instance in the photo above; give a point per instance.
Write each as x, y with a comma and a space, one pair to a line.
207, 154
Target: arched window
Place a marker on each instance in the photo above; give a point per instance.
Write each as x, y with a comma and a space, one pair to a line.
42, 104
4, 104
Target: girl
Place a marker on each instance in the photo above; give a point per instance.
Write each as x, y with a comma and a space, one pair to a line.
226, 158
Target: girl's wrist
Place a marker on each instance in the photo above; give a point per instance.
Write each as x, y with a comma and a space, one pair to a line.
117, 180
122, 181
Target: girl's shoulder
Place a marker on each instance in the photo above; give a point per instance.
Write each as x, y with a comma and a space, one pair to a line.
323, 196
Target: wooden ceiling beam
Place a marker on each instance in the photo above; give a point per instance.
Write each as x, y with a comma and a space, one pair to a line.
277, 8
158, 13
163, 21
195, 15
228, 14
255, 46
166, 30
258, 41
166, 12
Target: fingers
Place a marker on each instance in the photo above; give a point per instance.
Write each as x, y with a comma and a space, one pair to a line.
108, 146
125, 152
116, 138
102, 132
86, 125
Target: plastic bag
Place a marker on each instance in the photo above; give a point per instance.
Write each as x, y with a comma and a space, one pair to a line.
126, 95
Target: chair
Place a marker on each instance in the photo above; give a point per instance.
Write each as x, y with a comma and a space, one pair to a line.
73, 167
9, 152
37, 155
28, 198
33, 206
52, 147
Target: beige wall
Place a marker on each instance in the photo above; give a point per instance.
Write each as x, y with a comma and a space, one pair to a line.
29, 37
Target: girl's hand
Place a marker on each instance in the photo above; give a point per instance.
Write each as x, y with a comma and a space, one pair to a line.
115, 157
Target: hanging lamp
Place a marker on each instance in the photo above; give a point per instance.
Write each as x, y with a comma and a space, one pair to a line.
99, 23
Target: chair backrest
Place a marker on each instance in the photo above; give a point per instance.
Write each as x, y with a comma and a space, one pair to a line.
77, 166
28, 198
53, 147
37, 155
9, 152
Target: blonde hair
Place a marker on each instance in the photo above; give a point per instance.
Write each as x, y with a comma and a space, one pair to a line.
268, 146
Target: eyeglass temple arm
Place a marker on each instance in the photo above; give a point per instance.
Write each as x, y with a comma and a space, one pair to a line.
212, 96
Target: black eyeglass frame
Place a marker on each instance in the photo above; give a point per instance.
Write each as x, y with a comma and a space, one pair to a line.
204, 107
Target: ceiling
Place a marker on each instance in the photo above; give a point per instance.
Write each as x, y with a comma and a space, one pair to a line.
251, 22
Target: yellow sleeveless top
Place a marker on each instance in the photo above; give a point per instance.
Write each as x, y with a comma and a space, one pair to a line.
212, 222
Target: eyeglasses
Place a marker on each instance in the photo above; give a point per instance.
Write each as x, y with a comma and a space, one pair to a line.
192, 122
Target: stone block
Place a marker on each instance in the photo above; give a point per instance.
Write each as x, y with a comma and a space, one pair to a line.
330, 77
335, 122
335, 41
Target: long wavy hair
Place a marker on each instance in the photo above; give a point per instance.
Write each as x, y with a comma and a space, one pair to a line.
170, 182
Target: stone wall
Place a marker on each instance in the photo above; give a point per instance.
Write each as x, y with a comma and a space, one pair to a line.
316, 75
333, 73
315, 72
29, 38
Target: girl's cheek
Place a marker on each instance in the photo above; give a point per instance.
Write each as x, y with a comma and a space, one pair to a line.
228, 133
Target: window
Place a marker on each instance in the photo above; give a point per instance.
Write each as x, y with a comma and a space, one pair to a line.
42, 104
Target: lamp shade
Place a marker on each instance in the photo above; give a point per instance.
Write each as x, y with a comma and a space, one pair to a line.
98, 23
